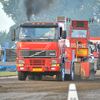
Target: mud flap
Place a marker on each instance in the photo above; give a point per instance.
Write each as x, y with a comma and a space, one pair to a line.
84, 71
87, 71
91, 71
77, 70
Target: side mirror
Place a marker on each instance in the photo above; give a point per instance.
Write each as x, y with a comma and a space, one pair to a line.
60, 31
64, 34
13, 35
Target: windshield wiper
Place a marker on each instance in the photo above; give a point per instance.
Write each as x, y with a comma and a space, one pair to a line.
44, 37
29, 37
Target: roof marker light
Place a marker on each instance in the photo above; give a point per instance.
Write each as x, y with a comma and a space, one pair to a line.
33, 23
66, 19
22, 23
92, 20
38, 23
69, 19
43, 23
54, 23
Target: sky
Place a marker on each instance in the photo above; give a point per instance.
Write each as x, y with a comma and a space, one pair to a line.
5, 21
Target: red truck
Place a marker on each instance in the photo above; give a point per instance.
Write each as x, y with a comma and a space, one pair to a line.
79, 64
41, 49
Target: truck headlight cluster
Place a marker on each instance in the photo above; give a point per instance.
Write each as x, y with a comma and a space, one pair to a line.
20, 61
53, 61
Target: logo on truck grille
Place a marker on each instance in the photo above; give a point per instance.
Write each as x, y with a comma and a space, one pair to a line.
37, 53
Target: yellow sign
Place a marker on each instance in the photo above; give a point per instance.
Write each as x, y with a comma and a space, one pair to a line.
37, 69
0, 53
82, 52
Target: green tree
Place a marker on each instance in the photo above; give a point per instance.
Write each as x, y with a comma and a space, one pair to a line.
13, 9
3, 38
74, 9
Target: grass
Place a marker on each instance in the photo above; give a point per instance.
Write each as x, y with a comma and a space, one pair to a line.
8, 73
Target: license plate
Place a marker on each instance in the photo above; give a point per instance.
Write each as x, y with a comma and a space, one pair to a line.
37, 69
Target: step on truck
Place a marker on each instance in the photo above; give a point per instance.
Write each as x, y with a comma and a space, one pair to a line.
79, 64
41, 49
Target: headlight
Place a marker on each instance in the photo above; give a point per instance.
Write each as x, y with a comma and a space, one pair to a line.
53, 61
20, 61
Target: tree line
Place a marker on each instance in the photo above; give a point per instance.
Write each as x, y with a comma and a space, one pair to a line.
74, 9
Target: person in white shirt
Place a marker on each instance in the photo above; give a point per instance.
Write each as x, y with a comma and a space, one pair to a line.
80, 34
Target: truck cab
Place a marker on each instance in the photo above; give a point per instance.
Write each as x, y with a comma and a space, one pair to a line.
79, 38
79, 64
40, 49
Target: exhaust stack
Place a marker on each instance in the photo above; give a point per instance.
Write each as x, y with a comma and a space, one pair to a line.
62, 20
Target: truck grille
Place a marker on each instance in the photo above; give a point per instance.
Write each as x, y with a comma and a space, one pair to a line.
37, 53
37, 62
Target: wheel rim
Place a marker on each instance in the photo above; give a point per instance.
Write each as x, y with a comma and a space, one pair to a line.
72, 75
63, 74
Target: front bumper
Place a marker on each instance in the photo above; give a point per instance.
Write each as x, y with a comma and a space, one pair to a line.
38, 65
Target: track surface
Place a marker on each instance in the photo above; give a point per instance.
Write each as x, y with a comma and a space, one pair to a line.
47, 89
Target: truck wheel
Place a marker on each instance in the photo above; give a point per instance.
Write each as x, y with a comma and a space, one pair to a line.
37, 77
71, 76
22, 76
60, 76
30, 77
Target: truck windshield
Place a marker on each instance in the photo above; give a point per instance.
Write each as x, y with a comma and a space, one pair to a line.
78, 33
38, 33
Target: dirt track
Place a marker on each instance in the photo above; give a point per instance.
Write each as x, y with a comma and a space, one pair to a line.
47, 89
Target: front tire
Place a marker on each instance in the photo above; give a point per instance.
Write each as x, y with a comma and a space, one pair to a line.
60, 76
22, 76
70, 76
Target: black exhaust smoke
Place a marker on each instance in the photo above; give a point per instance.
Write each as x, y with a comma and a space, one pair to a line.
36, 6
